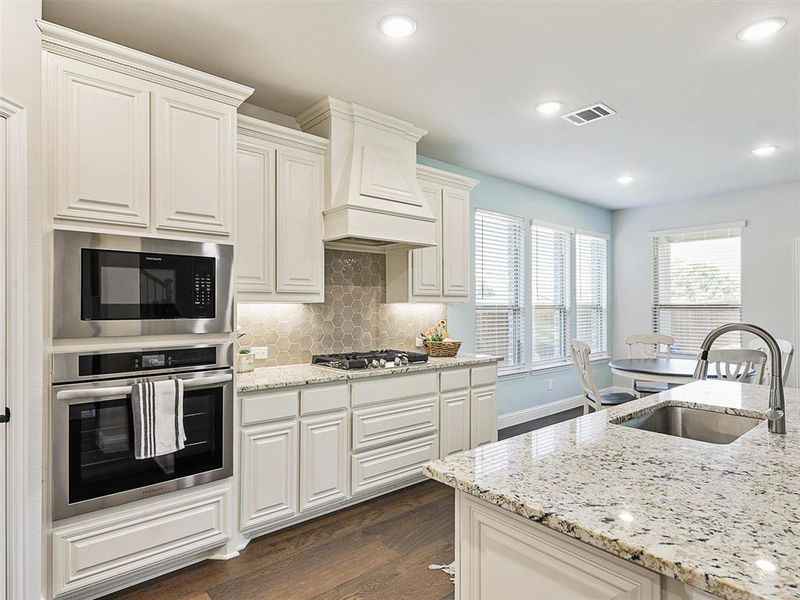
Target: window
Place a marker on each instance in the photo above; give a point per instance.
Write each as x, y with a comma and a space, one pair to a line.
550, 294
591, 291
499, 295
697, 285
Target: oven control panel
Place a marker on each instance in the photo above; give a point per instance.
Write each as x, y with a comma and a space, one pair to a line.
113, 363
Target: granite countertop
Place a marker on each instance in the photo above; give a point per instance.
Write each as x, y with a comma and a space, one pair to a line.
267, 378
721, 518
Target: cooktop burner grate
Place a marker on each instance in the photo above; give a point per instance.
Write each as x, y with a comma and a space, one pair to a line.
366, 360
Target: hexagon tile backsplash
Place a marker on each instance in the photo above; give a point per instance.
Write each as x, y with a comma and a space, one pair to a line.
354, 316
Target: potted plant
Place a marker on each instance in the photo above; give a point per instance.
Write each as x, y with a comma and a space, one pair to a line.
246, 361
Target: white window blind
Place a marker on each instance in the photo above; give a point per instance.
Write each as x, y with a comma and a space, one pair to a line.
499, 297
550, 269
591, 291
697, 286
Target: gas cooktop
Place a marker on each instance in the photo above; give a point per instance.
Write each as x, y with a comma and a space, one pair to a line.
374, 359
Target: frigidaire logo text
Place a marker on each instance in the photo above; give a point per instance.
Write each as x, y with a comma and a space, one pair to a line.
158, 258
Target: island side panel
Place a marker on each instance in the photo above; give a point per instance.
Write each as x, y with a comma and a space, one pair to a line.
502, 555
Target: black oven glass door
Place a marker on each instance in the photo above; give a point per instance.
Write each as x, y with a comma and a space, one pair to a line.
118, 285
101, 453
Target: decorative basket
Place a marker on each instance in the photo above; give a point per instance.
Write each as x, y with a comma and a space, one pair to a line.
442, 349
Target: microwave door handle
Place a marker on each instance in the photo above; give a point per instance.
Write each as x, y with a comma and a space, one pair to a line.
126, 390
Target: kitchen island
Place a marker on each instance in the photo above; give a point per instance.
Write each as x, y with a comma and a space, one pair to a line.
590, 509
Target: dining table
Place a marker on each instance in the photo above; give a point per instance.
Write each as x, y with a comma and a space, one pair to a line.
672, 370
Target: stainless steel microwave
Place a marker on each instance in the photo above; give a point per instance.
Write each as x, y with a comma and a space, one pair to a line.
116, 285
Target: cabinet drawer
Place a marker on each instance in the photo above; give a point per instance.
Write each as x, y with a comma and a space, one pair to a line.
104, 548
258, 408
394, 387
484, 375
388, 466
323, 399
390, 423
455, 379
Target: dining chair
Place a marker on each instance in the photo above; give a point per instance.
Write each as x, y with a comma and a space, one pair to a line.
736, 364
592, 398
787, 353
649, 345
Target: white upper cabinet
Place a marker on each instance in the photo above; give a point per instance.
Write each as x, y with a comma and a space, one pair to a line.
279, 213
455, 243
136, 143
255, 224
193, 145
299, 222
100, 148
438, 273
426, 263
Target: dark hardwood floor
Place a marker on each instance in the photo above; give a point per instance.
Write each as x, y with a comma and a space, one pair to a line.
377, 550
539, 423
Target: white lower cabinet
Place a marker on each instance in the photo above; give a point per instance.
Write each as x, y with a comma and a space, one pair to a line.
392, 465
323, 460
454, 433
388, 423
269, 473
315, 448
96, 555
503, 555
483, 410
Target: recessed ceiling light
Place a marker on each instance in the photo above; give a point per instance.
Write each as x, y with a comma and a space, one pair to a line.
626, 516
625, 179
397, 26
764, 150
550, 107
761, 29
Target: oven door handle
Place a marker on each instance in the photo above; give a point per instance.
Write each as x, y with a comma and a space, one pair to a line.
126, 390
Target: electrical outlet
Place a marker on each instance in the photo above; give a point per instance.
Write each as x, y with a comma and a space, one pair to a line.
549, 384
261, 352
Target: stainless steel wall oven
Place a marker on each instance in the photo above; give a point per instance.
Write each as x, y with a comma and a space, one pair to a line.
116, 285
93, 448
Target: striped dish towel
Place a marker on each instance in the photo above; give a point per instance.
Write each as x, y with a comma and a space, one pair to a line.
157, 417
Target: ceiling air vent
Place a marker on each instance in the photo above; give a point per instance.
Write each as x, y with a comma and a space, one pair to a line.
595, 112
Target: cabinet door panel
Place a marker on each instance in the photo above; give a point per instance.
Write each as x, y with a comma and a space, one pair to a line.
269, 474
455, 243
194, 142
100, 158
483, 416
323, 460
502, 553
426, 263
454, 422
255, 217
300, 251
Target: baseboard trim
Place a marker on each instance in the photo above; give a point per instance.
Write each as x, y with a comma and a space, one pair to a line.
545, 410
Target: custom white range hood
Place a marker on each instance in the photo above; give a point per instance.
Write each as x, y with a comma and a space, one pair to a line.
372, 198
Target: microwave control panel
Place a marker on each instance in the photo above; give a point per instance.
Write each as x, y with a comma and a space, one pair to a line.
203, 288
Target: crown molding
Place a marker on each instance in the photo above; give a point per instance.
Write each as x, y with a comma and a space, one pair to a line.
250, 126
329, 107
86, 48
441, 177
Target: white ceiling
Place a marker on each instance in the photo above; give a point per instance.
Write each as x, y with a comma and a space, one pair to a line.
692, 99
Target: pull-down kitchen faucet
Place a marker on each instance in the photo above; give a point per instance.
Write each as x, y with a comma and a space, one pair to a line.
776, 416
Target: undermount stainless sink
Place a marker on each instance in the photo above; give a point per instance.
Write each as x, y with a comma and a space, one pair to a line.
693, 423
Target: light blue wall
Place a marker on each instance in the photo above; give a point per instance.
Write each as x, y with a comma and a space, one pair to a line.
526, 391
